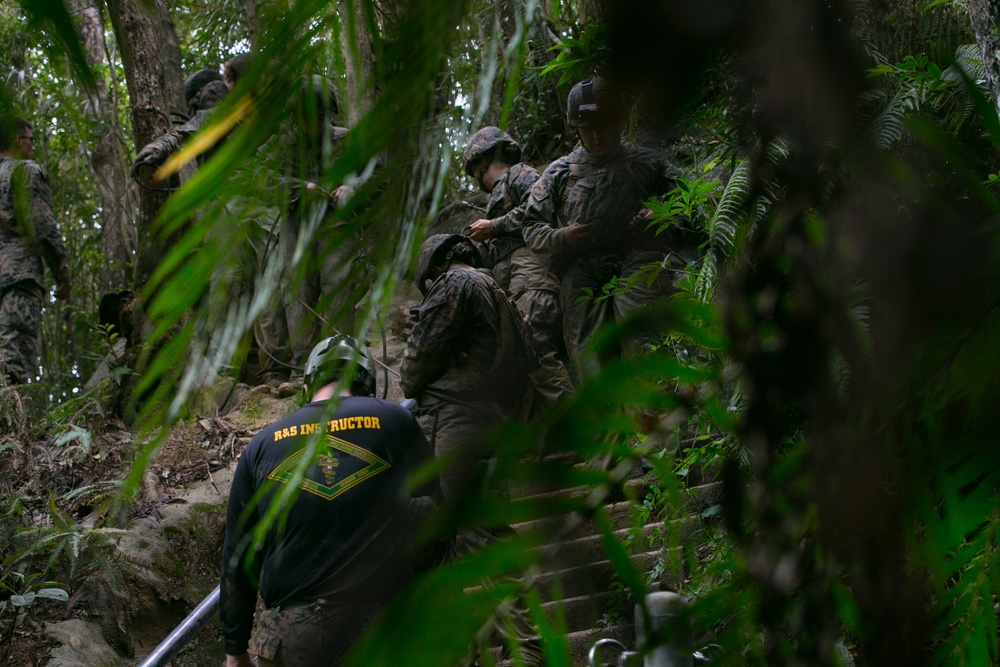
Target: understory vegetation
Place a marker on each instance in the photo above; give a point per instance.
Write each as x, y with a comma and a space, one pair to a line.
830, 355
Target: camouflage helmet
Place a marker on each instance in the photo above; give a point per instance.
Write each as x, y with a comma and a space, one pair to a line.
593, 102
332, 355
484, 142
234, 69
434, 251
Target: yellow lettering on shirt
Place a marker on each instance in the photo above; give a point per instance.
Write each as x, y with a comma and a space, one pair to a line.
342, 424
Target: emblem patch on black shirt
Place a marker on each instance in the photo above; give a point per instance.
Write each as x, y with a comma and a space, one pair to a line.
328, 466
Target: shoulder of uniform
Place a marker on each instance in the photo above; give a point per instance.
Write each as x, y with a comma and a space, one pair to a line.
560, 165
643, 153
192, 124
29, 167
484, 277
388, 406
522, 171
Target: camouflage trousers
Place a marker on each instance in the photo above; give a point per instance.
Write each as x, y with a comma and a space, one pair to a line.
20, 323
583, 317
551, 381
536, 291
325, 279
319, 633
454, 432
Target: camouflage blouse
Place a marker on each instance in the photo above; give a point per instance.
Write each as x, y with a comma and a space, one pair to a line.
451, 350
28, 230
606, 194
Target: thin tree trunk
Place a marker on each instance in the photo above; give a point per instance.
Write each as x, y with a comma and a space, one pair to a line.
170, 55
359, 59
252, 23
984, 15
107, 159
147, 88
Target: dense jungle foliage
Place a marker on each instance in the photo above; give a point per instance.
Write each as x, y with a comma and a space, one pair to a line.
832, 352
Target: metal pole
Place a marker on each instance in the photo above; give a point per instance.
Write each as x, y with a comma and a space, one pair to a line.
664, 608
623, 653
184, 632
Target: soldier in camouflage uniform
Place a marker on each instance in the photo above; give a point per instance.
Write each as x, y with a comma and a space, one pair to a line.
452, 366
29, 236
448, 363
493, 159
203, 90
585, 217
200, 98
323, 298
255, 222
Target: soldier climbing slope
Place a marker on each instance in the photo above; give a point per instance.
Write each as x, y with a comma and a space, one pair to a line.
467, 363
200, 98
29, 236
325, 257
340, 549
585, 217
251, 229
493, 159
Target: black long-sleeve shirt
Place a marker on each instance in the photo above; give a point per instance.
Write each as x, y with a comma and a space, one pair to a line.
345, 533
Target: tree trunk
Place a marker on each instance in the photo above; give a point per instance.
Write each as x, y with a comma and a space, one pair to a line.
984, 15
107, 160
536, 116
147, 88
252, 23
136, 34
359, 59
170, 56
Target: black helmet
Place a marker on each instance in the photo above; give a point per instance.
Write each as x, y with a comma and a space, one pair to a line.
207, 97
485, 142
593, 102
318, 95
434, 251
332, 355
194, 83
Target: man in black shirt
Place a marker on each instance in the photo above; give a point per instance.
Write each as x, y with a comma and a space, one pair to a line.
318, 519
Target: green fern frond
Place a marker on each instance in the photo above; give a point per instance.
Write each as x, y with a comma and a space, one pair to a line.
722, 228
967, 620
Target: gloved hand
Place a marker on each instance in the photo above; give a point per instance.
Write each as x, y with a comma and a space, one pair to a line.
146, 163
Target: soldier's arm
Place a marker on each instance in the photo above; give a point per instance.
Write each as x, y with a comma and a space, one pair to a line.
155, 153
237, 595
46, 233
521, 178
540, 220
431, 341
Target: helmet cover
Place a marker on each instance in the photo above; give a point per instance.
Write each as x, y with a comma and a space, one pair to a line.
484, 142
433, 252
593, 102
331, 356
